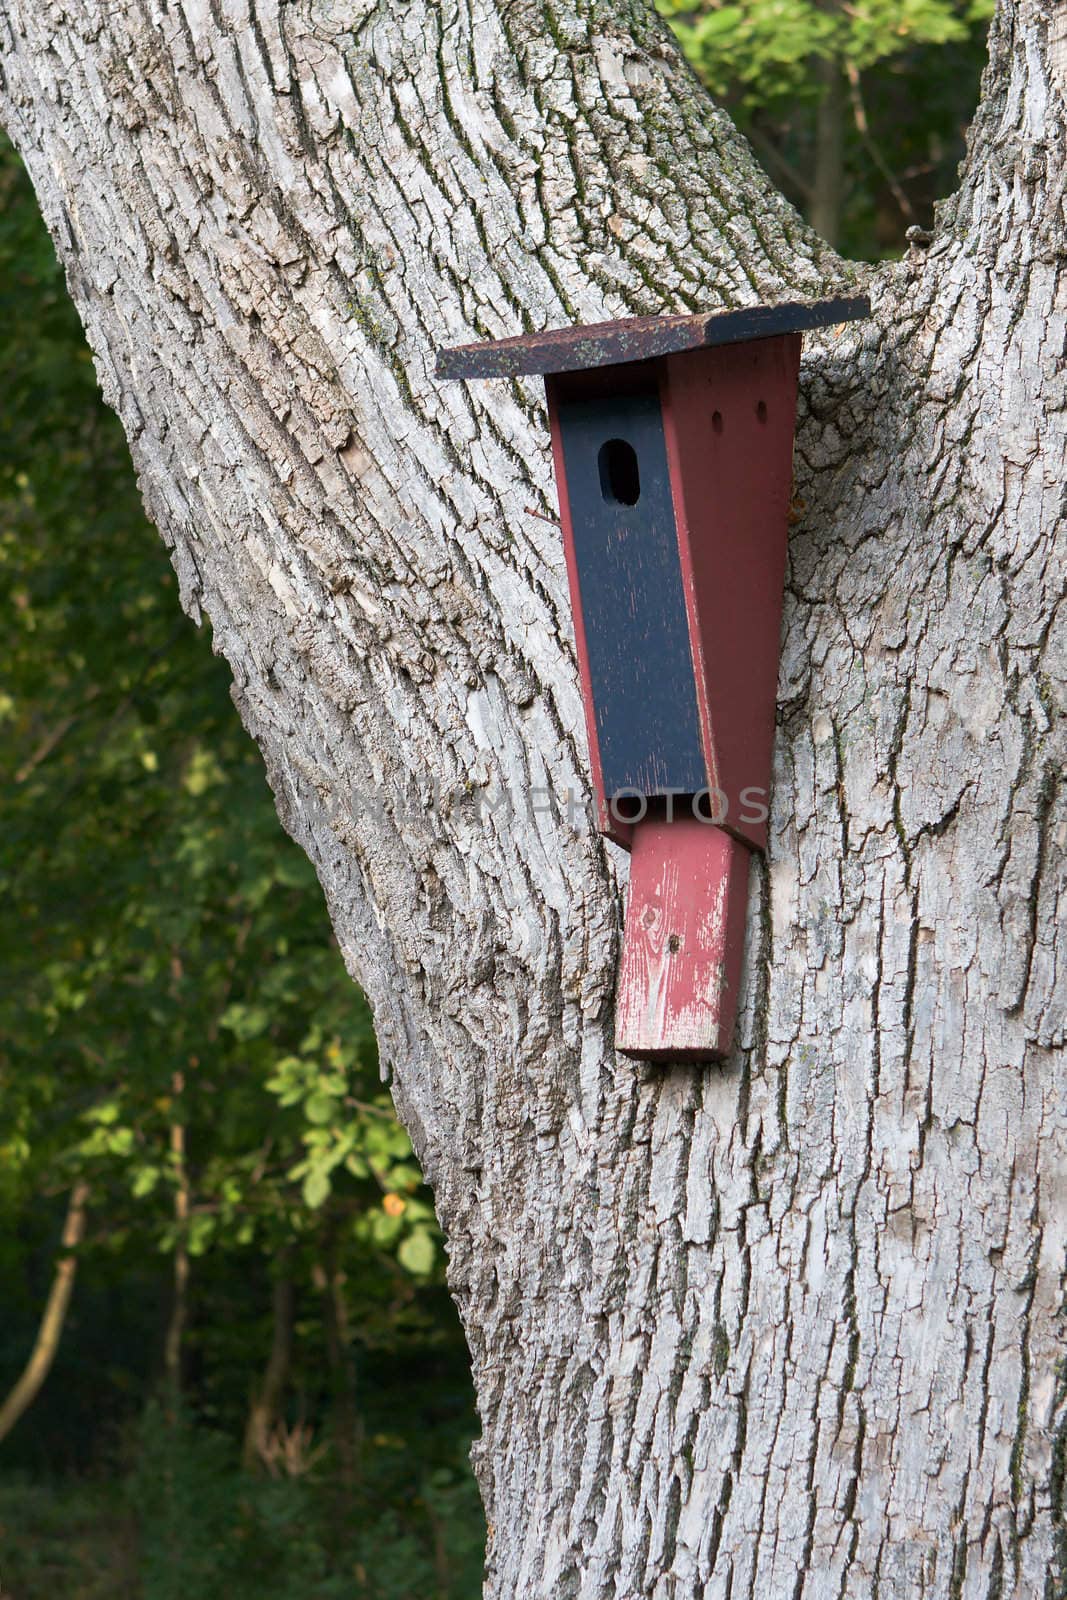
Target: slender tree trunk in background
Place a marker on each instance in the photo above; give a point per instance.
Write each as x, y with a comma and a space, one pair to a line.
50, 1330
828, 185
179, 1307
266, 1402
345, 1412
788, 1327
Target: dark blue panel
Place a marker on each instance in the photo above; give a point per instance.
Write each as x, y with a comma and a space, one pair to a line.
629, 574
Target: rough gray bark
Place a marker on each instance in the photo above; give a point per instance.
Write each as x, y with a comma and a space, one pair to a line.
789, 1328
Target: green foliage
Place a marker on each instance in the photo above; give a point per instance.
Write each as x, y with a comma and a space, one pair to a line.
204, 1529
71, 1539
186, 1521
410, 1529
907, 72
761, 50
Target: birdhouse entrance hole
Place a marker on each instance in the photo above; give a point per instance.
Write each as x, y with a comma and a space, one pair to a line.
620, 476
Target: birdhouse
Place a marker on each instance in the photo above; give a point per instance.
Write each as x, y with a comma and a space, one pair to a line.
673, 445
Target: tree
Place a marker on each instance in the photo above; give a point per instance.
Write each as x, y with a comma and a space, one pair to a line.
789, 1327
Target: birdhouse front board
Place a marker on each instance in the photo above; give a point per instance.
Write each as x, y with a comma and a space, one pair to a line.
627, 591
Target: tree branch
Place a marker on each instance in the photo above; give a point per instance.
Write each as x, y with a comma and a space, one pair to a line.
50, 1330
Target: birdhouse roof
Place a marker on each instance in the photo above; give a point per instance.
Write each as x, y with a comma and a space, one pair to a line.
606, 344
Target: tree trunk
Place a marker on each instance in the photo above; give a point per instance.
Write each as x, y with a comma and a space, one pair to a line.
785, 1328
50, 1331
267, 1399
828, 186
345, 1414
174, 1338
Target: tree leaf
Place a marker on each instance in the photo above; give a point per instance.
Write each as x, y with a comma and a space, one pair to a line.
417, 1253
316, 1188
320, 1108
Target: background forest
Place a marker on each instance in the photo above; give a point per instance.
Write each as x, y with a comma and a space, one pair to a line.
228, 1363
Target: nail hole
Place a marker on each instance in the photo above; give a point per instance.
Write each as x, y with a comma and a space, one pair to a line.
620, 476
761, 410
674, 944
716, 421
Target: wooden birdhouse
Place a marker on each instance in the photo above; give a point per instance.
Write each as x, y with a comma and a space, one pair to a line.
673, 446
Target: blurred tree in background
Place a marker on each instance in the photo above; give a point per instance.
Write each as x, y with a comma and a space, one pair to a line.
859, 111
182, 1051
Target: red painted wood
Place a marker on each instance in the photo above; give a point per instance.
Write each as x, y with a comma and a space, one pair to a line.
680, 973
728, 415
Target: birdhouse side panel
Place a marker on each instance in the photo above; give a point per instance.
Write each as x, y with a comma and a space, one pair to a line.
729, 415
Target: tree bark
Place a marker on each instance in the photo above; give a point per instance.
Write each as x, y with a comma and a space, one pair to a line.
25, 1391
785, 1328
